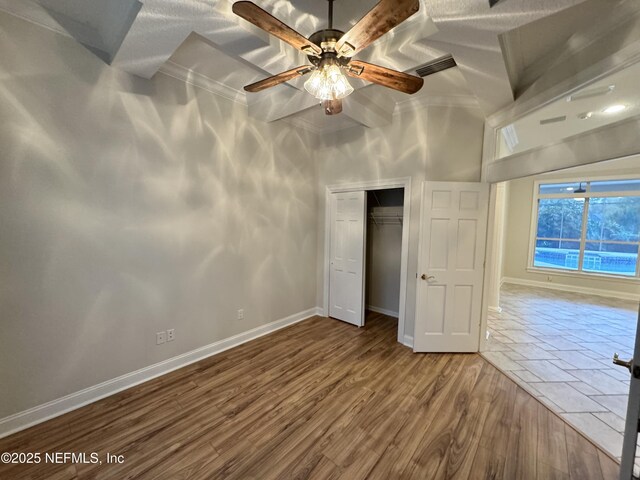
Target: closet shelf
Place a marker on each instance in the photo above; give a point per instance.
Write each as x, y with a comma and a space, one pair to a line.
385, 219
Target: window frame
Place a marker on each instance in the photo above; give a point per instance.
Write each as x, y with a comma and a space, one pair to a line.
583, 240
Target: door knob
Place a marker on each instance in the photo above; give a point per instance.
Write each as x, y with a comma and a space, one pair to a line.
622, 363
430, 277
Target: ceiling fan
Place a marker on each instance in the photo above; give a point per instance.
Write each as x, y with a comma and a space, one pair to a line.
331, 51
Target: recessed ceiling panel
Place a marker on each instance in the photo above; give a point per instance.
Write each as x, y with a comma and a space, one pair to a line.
530, 49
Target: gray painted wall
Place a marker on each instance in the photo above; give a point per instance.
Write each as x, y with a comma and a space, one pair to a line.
130, 206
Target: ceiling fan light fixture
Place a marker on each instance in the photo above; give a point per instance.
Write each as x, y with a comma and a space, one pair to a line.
330, 52
328, 82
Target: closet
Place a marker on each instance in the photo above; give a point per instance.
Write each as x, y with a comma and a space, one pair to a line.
384, 250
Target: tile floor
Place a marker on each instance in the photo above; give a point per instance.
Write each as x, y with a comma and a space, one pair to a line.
559, 346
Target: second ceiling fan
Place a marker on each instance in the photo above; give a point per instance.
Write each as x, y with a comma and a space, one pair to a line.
331, 52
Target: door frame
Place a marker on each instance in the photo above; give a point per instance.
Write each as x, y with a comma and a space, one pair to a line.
404, 182
492, 278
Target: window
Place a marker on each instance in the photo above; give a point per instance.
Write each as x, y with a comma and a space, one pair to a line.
590, 227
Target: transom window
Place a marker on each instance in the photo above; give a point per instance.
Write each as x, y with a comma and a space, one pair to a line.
589, 226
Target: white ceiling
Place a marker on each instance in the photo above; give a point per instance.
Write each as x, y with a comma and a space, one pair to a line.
202, 41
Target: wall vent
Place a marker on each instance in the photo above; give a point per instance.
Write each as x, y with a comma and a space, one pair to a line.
547, 121
437, 65
591, 93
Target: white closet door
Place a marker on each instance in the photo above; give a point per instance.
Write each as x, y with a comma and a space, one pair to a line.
346, 278
451, 267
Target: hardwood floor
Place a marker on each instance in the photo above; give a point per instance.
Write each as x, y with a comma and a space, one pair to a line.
319, 400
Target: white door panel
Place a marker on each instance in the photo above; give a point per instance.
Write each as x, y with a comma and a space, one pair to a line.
346, 277
451, 266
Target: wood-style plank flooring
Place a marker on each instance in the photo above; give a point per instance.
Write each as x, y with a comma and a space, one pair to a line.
319, 400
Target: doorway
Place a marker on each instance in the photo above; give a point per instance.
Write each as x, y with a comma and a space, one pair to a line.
403, 188
383, 251
564, 296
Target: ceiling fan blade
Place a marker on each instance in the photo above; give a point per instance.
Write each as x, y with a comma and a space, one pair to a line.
383, 17
270, 24
386, 77
332, 107
278, 79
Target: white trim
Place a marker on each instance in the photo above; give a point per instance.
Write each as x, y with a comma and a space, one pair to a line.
575, 274
495, 310
616, 140
383, 311
42, 19
573, 289
493, 225
408, 341
179, 72
191, 77
296, 121
219, 89
404, 182
36, 14
33, 416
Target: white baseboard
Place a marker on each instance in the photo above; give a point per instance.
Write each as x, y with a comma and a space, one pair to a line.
22, 420
382, 311
573, 289
495, 309
408, 341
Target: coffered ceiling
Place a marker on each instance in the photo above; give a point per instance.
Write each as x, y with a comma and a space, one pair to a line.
203, 42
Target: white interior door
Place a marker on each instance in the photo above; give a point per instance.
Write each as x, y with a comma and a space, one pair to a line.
453, 227
632, 424
346, 277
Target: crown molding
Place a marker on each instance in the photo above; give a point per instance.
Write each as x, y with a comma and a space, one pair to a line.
33, 13
304, 124
196, 79
174, 70
466, 101
312, 127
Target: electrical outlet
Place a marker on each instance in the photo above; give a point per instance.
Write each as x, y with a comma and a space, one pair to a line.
171, 335
241, 314
161, 337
